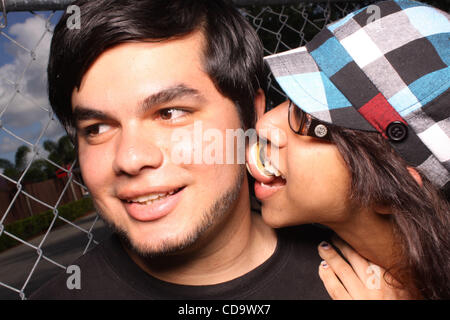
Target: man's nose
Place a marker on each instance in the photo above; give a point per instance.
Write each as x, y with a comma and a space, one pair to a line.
136, 151
273, 124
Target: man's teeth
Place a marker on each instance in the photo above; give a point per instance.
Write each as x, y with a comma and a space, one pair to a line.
151, 198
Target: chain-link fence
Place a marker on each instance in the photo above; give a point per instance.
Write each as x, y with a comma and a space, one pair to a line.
40, 226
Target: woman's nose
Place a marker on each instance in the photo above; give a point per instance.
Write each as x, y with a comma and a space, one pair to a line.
273, 124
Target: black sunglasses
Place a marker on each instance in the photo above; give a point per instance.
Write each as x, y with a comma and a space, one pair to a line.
304, 124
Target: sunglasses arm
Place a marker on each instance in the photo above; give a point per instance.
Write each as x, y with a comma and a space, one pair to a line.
318, 129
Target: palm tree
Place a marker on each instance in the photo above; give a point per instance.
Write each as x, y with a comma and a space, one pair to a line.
36, 172
5, 164
14, 171
21, 157
8, 168
62, 153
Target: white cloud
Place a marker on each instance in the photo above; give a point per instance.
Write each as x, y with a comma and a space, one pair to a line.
8, 145
54, 130
27, 106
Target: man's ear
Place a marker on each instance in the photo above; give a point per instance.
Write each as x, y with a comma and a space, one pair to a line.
413, 172
260, 103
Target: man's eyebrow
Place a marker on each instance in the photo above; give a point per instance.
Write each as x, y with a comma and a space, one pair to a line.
169, 94
81, 113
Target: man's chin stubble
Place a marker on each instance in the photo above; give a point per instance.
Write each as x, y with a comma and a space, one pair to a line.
212, 216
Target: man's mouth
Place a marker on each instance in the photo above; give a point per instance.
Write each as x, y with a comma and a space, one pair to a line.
152, 197
151, 206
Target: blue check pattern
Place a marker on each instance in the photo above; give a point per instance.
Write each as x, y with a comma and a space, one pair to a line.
391, 59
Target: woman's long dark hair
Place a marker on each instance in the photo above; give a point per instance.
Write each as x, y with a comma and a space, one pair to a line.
421, 214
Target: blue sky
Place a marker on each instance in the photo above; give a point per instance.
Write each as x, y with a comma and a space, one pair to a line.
26, 115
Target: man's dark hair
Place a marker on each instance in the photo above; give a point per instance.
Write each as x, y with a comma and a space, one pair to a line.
233, 53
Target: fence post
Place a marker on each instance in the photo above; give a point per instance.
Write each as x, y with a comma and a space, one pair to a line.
29, 205
73, 191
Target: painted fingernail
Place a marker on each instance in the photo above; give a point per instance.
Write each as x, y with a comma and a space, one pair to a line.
324, 264
325, 245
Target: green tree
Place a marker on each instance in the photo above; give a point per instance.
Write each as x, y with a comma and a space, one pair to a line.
5, 164
38, 171
61, 153
9, 169
21, 157
14, 170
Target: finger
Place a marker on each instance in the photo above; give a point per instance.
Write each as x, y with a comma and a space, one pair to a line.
372, 275
357, 262
332, 284
392, 288
342, 270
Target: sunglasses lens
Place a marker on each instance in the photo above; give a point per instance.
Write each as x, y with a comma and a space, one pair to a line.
296, 117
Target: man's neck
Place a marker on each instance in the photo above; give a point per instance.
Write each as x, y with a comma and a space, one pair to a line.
229, 249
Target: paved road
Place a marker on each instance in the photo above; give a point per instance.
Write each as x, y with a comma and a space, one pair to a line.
63, 245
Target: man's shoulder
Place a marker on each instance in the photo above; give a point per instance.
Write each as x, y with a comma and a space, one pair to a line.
305, 235
83, 281
57, 288
294, 266
304, 258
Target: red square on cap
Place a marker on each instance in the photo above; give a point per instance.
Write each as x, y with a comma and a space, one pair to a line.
379, 113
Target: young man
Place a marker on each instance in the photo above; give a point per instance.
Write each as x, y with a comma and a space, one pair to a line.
133, 75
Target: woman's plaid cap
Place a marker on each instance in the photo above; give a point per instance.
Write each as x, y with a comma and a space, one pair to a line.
382, 68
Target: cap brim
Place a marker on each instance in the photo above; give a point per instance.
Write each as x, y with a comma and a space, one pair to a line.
310, 89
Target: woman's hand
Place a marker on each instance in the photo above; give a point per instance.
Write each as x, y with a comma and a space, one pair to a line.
359, 280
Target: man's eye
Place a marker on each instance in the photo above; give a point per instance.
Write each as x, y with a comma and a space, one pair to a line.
96, 129
172, 114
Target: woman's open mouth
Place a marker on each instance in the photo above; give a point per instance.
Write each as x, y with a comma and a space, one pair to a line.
269, 179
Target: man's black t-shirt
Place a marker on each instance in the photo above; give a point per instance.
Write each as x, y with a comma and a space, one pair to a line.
107, 272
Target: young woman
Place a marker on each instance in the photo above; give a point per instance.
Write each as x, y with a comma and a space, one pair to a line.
363, 147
